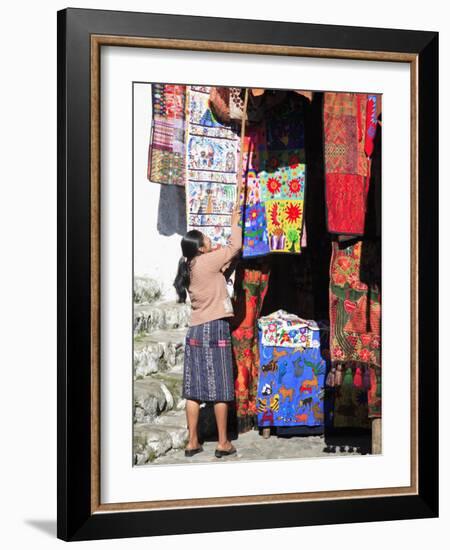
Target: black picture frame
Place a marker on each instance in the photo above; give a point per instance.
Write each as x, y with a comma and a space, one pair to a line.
76, 519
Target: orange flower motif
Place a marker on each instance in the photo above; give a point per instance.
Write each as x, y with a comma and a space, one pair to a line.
293, 212
273, 185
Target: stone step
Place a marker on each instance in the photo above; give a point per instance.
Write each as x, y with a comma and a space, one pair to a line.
160, 315
172, 418
152, 440
173, 381
146, 290
151, 398
160, 350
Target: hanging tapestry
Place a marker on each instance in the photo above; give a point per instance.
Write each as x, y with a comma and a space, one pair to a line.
255, 237
250, 290
171, 210
355, 316
348, 129
166, 156
274, 180
212, 161
291, 383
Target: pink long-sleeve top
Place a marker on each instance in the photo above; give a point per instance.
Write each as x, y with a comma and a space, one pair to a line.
208, 289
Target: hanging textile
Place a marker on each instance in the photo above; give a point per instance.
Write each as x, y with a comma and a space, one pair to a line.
171, 210
166, 158
355, 315
349, 130
250, 290
255, 235
291, 379
274, 175
212, 160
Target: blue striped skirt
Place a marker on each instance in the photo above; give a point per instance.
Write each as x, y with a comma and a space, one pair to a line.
208, 362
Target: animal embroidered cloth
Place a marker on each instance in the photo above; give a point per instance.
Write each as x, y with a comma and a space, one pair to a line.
284, 329
291, 383
166, 158
212, 161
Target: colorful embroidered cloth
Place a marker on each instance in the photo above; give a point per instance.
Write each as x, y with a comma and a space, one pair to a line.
255, 236
291, 384
250, 290
287, 330
212, 162
355, 317
274, 181
166, 158
348, 136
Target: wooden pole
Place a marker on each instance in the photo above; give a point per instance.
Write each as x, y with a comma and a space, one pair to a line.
241, 152
376, 436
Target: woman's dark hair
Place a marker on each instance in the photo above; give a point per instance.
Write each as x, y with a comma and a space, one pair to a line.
190, 247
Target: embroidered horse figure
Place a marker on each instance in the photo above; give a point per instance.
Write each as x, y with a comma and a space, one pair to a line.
277, 354
307, 385
301, 418
305, 402
287, 393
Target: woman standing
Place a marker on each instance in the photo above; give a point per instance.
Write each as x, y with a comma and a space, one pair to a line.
208, 364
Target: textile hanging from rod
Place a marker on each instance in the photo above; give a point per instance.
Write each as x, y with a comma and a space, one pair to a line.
250, 290
166, 158
273, 168
355, 317
212, 160
274, 175
350, 121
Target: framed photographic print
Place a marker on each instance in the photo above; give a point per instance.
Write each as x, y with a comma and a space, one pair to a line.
247, 274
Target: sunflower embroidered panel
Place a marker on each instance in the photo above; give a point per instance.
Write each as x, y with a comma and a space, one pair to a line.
274, 175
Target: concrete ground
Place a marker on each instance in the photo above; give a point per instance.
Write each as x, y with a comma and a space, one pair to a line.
252, 446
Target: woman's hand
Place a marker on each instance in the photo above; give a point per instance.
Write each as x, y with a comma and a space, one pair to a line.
236, 216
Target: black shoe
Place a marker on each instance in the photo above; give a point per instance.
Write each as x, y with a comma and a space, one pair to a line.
192, 452
219, 454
